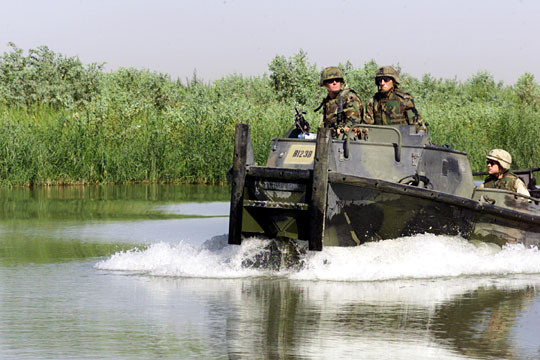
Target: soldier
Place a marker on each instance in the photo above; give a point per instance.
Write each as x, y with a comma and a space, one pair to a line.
342, 108
391, 106
500, 176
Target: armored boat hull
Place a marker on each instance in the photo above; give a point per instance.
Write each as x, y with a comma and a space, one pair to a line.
347, 192
371, 209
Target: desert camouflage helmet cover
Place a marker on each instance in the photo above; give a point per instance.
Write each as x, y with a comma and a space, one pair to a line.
501, 156
330, 73
387, 71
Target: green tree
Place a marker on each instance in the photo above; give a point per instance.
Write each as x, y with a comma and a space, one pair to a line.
361, 80
294, 79
46, 78
527, 90
482, 86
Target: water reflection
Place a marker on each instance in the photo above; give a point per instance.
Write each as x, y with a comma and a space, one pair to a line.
481, 323
34, 250
107, 202
64, 311
111, 315
352, 320
52, 224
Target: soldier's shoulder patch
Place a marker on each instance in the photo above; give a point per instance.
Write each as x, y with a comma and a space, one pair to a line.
512, 175
349, 92
403, 94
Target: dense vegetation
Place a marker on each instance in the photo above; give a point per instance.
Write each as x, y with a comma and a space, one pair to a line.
65, 122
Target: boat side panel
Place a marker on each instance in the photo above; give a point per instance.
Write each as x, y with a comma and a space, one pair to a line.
496, 226
357, 214
375, 160
448, 171
501, 230
507, 199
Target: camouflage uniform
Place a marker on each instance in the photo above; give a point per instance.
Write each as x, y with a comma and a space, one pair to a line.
509, 181
394, 107
345, 108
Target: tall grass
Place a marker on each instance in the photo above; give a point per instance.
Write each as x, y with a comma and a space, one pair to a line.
62, 122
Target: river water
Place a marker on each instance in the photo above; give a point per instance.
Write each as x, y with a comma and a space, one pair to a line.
144, 272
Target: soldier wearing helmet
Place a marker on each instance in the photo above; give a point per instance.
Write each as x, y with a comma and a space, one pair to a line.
391, 106
342, 107
500, 176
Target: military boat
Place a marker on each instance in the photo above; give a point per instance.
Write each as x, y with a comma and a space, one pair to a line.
384, 183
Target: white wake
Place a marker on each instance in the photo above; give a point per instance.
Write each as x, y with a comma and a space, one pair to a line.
416, 257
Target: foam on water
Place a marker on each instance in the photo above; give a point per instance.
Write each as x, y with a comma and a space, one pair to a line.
415, 257
163, 259
420, 256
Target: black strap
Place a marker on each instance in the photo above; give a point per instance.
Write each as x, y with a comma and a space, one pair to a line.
320, 106
339, 109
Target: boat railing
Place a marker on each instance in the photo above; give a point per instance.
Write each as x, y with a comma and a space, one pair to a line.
398, 141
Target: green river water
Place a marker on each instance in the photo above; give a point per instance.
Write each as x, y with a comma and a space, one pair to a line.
144, 272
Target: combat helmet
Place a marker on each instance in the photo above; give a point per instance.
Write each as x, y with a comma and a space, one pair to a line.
387, 71
502, 157
331, 73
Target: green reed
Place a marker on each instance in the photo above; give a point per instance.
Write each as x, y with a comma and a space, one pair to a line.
138, 126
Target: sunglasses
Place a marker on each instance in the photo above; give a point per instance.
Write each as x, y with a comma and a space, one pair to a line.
491, 162
332, 81
385, 78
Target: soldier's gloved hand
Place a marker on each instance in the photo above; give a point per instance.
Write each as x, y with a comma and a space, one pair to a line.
361, 133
